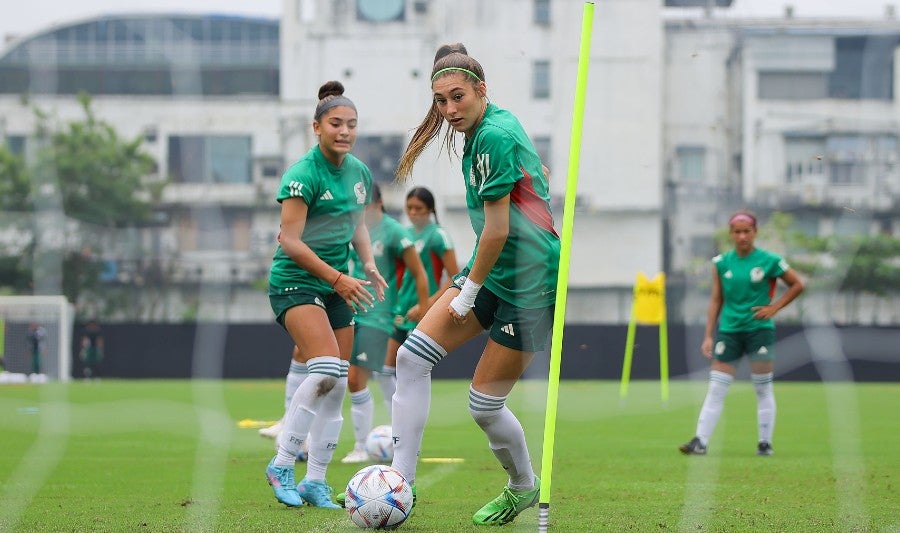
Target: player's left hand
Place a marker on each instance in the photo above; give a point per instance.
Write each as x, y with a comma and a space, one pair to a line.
378, 282
763, 312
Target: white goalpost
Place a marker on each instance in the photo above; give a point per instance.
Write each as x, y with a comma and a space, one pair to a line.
36, 323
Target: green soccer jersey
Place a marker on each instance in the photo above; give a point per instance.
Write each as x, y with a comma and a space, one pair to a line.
747, 282
499, 160
431, 243
389, 240
335, 199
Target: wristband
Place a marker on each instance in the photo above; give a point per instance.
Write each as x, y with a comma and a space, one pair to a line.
338, 278
465, 300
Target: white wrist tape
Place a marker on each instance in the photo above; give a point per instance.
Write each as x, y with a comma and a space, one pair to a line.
465, 300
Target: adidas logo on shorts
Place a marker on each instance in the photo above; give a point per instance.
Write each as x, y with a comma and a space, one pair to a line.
508, 329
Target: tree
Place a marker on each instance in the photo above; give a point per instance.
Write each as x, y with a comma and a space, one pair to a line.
94, 175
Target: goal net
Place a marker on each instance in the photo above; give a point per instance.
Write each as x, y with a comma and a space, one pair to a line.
36, 337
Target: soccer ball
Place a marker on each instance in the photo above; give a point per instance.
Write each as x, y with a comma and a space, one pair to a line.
378, 497
380, 444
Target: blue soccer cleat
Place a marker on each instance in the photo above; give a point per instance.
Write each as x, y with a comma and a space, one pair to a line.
282, 480
316, 493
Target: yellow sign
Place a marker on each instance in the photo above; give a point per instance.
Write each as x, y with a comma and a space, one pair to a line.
650, 299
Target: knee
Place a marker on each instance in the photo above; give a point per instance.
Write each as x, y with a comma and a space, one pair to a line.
409, 361
327, 384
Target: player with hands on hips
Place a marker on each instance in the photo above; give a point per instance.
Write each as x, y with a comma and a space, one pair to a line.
741, 303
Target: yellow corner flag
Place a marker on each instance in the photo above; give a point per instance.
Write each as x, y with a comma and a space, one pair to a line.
648, 308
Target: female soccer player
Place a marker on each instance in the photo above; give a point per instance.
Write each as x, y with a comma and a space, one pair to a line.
322, 198
438, 255
743, 284
508, 284
394, 252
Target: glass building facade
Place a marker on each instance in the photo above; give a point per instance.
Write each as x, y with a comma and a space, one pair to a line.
202, 55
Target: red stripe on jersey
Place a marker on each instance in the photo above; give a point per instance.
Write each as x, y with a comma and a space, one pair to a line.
772, 283
401, 269
437, 267
533, 206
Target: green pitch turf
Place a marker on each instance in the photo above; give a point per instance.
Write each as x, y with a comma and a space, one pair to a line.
153, 456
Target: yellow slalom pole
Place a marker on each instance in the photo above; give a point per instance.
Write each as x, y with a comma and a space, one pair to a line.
664, 357
629, 353
559, 316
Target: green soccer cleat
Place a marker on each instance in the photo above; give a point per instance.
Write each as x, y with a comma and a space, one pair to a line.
504, 508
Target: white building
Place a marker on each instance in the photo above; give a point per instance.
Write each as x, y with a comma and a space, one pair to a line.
685, 119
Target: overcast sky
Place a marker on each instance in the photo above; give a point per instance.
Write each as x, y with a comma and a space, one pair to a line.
29, 16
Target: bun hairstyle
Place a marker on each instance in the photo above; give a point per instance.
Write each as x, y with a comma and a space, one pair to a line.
331, 94
449, 59
423, 195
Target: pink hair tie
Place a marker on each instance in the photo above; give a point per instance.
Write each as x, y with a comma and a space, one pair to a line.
741, 217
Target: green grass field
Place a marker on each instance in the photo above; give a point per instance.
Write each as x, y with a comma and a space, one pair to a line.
169, 456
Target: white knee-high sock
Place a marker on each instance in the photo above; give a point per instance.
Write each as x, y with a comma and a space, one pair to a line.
412, 399
387, 380
326, 428
713, 404
362, 410
297, 373
765, 405
324, 373
505, 436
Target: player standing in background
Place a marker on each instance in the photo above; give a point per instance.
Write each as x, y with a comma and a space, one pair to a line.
396, 258
37, 336
743, 285
508, 286
438, 255
322, 199
92, 345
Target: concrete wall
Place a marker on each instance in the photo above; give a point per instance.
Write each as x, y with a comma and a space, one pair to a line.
234, 351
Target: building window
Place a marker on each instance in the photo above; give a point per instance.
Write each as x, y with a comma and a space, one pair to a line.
804, 158
691, 163
540, 82
16, 144
864, 68
542, 12
381, 10
861, 159
792, 85
215, 229
542, 145
380, 153
210, 159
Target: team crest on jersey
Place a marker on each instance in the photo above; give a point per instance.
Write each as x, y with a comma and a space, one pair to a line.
360, 191
377, 248
757, 274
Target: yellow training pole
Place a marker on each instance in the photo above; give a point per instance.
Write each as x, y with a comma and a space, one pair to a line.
664, 355
629, 352
559, 316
